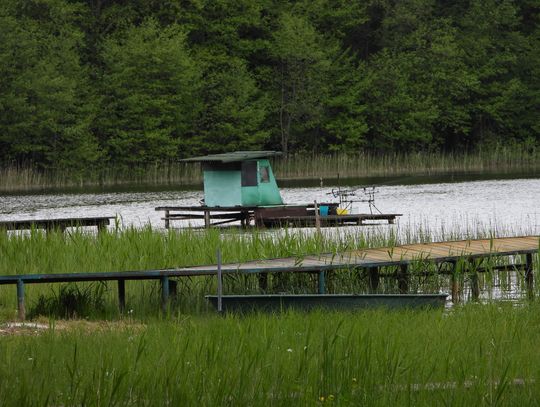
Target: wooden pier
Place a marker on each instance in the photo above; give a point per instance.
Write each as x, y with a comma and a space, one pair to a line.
269, 216
399, 257
223, 214
60, 224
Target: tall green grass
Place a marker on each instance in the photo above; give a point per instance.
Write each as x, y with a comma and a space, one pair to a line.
472, 356
146, 249
497, 160
299, 166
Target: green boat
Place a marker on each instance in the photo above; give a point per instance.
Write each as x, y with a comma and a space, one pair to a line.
307, 302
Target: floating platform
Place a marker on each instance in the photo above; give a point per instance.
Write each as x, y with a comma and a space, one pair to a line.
59, 224
308, 302
271, 216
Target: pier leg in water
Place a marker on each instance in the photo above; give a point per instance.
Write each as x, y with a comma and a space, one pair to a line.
403, 278
207, 219
122, 296
322, 282
529, 274
475, 287
317, 218
21, 308
373, 274
472, 268
164, 294
102, 226
455, 282
263, 281
167, 221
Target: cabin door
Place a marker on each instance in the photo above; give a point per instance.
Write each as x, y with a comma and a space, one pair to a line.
250, 183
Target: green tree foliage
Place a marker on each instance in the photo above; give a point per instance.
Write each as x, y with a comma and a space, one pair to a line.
44, 93
84, 82
224, 36
300, 72
500, 57
149, 94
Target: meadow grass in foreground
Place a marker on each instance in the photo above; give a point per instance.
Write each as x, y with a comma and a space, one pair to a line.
146, 249
474, 355
511, 160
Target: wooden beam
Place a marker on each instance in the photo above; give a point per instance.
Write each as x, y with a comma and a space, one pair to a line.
403, 278
167, 219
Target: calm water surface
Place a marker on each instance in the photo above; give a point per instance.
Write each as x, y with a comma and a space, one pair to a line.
503, 206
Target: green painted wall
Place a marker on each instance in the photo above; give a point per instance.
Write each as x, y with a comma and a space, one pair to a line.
268, 192
224, 188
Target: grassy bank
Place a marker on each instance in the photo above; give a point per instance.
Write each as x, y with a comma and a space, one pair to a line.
296, 167
475, 355
147, 249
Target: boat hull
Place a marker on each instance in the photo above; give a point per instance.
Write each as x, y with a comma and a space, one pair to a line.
307, 302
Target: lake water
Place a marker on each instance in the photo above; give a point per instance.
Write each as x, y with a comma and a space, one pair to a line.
503, 206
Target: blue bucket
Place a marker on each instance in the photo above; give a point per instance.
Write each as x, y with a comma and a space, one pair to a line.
323, 210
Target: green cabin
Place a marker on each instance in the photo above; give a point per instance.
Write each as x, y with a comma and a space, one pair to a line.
240, 178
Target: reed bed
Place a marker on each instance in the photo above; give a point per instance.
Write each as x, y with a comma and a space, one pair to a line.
474, 355
296, 167
146, 249
498, 160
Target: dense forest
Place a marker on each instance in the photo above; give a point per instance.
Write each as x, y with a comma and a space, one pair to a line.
88, 83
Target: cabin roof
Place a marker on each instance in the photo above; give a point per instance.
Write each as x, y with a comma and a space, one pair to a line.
234, 156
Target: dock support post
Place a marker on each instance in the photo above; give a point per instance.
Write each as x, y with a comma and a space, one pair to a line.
317, 218
529, 273
167, 220
244, 219
122, 296
219, 283
475, 287
102, 226
21, 308
455, 283
322, 282
164, 293
207, 219
472, 266
403, 278
373, 274
263, 281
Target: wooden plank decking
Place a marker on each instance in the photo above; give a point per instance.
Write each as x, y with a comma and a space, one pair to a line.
275, 216
101, 222
437, 252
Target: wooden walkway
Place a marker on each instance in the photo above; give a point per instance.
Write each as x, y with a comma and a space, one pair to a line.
272, 216
59, 224
439, 252
370, 259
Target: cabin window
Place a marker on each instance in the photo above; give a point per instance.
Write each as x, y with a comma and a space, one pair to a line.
249, 174
265, 174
